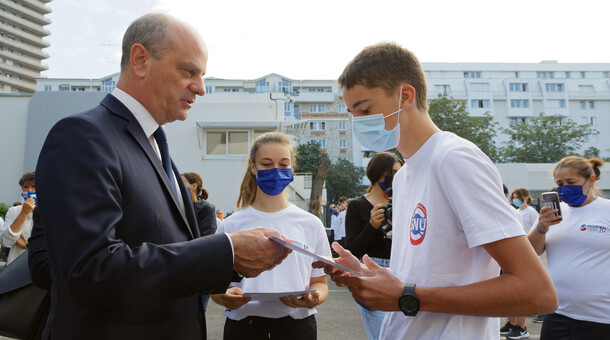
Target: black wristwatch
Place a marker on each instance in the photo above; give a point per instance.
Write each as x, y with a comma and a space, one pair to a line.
408, 301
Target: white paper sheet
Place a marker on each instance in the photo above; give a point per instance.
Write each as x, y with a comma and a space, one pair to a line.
275, 296
304, 249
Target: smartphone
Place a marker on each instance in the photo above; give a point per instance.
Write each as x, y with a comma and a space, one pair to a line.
551, 199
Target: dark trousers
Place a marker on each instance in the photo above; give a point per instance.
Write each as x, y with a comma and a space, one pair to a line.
258, 328
559, 327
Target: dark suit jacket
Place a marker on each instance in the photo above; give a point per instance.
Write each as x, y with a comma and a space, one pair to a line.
206, 217
126, 261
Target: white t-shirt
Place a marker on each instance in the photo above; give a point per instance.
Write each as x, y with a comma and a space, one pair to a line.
340, 229
528, 217
9, 239
294, 273
578, 255
448, 201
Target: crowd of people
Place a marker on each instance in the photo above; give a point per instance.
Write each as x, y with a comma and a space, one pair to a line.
441, 255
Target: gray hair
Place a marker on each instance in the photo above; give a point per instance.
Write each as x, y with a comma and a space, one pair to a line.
151, 31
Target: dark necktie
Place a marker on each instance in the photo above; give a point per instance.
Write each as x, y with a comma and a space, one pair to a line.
166, 160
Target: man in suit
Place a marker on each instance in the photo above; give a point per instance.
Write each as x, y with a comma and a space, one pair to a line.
126, 258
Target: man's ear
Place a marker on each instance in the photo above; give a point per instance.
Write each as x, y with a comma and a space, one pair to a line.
408, 96
139, 60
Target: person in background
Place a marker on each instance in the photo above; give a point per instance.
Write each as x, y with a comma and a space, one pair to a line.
219, 216
363, 220
520, 198
263, 201
577, 250
339, 231
505, 188
204, 210
334, 220
19, 219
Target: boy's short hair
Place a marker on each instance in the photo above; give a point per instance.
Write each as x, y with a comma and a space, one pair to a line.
386, 65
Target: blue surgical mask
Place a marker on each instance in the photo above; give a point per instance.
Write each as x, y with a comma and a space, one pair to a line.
517, 203
572, 194
273, 181
371, 133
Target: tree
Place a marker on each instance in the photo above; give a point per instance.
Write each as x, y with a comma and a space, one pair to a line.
317, 185
591, 152
451, 115
343, 179
309, 156
3, 210
543, 139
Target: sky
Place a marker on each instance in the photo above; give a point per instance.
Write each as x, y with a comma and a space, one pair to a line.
315, 39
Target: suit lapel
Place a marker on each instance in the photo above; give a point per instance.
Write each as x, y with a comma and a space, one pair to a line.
134, 128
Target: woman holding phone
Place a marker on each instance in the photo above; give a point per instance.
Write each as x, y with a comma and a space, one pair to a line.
263, 202
577, 244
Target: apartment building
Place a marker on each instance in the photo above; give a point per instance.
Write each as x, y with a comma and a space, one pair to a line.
21, 44
514, 92
510, 92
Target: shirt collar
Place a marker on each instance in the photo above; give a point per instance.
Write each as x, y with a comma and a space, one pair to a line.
146, 120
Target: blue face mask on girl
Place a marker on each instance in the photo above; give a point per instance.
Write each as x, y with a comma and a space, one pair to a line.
517, 203
273, 181
572, 194
371, 133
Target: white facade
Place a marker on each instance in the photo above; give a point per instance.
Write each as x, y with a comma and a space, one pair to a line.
106, 84
21, 32
512, 93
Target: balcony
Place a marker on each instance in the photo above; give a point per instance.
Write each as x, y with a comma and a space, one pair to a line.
37, 6
26, 37
314, 97
29, 14
29, 63
17, 71
20, 84
27, 26
25, 49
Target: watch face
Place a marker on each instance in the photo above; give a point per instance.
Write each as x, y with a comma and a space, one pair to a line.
409, 304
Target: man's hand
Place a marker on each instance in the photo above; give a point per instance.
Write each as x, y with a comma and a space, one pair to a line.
254, 252
232, 299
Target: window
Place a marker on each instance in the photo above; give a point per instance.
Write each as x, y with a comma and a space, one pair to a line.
47, 88
568, 75
593, 121
518, 120
545, 74
342, 108
479, 103
606, 74
321, 143
442, 88
342, 143
297, 112
288, 109
557, 104
554, 87
321, 108
582, 74
472, 74
227, 142
342, 126
317, 126
586, 88
479, 87
518, 87
519, 103
208, 89
516, 74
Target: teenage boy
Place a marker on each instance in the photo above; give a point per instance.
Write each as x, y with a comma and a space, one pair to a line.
453, 230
